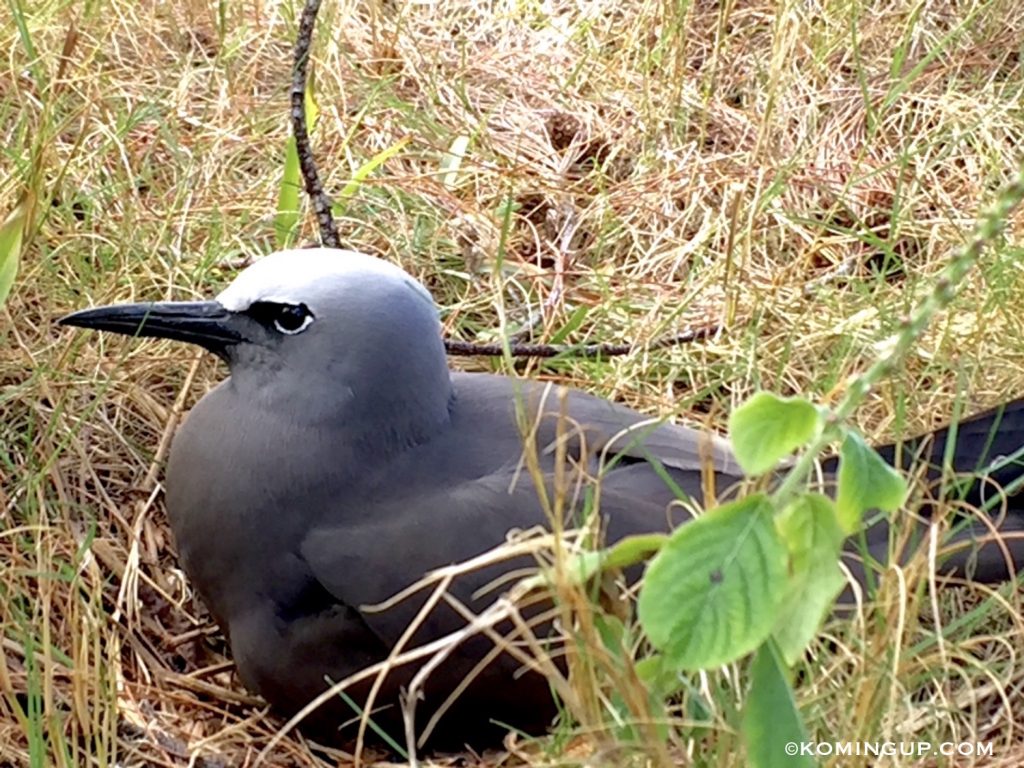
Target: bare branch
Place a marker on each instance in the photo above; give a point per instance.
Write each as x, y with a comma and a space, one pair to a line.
468, 349
310, 176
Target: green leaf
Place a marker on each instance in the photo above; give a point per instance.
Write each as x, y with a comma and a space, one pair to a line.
11, 235
810, 528
772, 724
768, 428
372, 724
865, 482
711, 593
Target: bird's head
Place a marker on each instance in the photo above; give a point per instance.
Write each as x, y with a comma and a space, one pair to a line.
353, 324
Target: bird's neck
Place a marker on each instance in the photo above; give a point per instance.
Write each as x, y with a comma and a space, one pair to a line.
395, 416
387, 412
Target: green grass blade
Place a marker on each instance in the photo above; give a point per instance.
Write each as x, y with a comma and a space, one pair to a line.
287, 219
772, 727
364, 171
451, 161
11, 238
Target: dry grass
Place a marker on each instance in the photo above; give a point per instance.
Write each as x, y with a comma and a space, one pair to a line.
794, 172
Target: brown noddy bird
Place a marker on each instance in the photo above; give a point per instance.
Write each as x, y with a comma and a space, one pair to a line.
342, 460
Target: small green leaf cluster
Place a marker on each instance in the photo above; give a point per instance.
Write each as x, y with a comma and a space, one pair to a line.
759, 574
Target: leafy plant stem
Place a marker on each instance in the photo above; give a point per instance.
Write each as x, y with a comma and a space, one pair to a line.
990, 226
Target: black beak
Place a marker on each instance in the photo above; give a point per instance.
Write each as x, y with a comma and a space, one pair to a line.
206, 323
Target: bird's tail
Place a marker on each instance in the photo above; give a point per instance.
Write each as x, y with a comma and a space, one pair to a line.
985, 453
979, 463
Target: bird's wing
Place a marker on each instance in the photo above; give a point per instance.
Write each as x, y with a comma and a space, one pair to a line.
439, 523
368, 562
607, 428
987, 444
465, 491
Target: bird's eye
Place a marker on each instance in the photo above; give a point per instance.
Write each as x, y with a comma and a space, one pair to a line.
280, 316
292, 318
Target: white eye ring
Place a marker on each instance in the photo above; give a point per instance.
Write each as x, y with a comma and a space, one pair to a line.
307, 320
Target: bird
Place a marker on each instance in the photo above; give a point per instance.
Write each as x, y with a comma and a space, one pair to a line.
342, 460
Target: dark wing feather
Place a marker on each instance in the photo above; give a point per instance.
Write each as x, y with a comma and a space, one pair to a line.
466, 489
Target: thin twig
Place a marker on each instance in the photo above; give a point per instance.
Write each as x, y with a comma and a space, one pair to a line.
466, 348
311, 178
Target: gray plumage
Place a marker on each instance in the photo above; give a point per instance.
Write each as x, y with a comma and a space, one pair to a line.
341, 461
